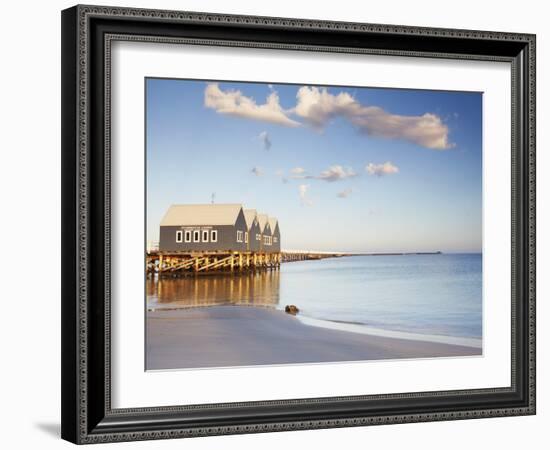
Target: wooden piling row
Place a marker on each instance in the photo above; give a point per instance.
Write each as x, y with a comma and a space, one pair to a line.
205, 262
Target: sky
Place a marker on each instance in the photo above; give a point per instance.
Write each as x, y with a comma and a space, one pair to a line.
355, 169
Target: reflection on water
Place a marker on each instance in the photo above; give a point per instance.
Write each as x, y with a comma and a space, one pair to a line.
259, 289
432, 294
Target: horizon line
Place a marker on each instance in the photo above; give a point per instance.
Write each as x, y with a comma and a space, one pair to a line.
390, 252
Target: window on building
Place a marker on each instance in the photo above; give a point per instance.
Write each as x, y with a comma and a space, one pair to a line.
246, 237
179, 236
239, 236
196, 236
187, 235
205, 234
258, 237
275, 239
214, 236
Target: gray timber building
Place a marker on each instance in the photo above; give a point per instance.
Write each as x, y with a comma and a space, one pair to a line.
208, 227
253, 237
265, 233
275, 235
218, 228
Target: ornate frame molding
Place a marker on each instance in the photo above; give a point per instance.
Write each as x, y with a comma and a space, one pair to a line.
80, 424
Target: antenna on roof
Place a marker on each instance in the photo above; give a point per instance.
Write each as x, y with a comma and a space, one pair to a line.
213, 197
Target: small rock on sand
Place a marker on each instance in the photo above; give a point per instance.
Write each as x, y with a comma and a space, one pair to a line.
292, 309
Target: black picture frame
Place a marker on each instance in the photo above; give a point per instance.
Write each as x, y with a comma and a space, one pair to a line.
87, 416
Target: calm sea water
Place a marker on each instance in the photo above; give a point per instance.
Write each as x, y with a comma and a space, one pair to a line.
426, 294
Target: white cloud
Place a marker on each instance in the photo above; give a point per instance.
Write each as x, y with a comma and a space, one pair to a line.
335, 173
234, 103
382, 169
304, 199
427, 130
266, 140
317, 107
257, 171
345, 193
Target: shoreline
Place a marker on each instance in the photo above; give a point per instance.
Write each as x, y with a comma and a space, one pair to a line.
361, 328
237, 336
352, 327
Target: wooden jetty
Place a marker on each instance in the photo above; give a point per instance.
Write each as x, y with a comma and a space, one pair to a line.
205, 262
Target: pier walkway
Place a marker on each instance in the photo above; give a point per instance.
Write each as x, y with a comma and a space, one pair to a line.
180, 263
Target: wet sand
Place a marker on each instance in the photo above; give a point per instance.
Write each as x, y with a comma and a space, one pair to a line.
225, 336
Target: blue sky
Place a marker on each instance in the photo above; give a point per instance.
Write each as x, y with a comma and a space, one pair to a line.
342, 168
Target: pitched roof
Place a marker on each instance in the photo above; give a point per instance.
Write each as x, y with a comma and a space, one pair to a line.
263, 220
273, 223
249, 216
207, 214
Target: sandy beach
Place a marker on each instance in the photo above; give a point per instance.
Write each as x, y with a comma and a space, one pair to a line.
225, 336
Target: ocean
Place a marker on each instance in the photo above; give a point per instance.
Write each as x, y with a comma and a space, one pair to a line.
431, 294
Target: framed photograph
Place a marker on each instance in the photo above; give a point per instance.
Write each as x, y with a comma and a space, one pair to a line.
267, 222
